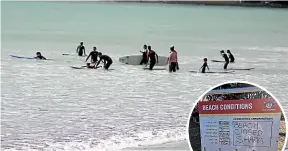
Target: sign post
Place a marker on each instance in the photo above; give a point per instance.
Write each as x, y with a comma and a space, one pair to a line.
239, 125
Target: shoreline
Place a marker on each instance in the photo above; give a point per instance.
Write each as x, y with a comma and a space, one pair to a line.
253, 4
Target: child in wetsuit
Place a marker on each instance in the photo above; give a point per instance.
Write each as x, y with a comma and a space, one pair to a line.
204, 65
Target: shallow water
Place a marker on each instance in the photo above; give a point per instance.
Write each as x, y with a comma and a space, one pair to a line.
46, 105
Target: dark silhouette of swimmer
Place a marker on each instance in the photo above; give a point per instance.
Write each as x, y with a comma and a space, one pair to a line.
144, 55
204, 66
39, 56
80, 49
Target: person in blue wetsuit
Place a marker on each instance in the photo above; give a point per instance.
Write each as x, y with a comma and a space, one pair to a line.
80, 49
39, 56
204, 66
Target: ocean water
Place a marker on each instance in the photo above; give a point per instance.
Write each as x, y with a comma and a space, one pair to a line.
46, 105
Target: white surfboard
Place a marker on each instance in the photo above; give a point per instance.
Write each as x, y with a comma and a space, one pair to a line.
136, 59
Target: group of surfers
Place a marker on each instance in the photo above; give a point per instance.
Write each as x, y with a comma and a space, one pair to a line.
228, 59
148, 54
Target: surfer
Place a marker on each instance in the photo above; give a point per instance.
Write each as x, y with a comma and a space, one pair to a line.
152, 55
232, 59
94, 55
224, 55
204, 66
39, 56
172, 60
80, 49
172, 48
107, 60
144, 55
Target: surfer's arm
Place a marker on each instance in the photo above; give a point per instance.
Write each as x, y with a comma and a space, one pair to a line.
84, 51
208, 68
77, 49
98, 63
44, 58
201, 67
157, 57
87, 57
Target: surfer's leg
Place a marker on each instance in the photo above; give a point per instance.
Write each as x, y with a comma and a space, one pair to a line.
107, 65
152, 63
143, 61
174, 66
170, 67
225, 65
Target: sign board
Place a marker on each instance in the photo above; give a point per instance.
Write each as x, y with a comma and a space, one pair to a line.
239, 125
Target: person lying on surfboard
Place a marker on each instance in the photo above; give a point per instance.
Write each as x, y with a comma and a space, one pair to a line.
153, 58
107, 61
80, 49
94, 55
144, 55
232, 59
204, 66
39, 56
224, 55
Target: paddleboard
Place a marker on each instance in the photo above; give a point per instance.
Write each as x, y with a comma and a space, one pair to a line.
155, 68
220, 61
136, 59
241, 69
213, 72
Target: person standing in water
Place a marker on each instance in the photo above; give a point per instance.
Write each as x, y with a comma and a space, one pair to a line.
231, 57
107, 61
172, 60
172, 48
204, 66
39, 56
80, 49
153, 58
144, 55
94, 55
224, 55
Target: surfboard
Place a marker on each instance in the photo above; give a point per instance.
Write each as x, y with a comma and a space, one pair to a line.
20, 57
241, 69
194, 71
220, 61
71, 54
136, 59
155, 68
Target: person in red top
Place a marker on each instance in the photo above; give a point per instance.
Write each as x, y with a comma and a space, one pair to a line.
172, 48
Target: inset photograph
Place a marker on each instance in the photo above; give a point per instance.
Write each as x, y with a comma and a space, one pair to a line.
237, 117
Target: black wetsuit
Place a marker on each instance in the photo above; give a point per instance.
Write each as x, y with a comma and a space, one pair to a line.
226, 60
108, 61
232, 59
40, 57
204, 67
144, 58
80, 50
152, 56
94, 56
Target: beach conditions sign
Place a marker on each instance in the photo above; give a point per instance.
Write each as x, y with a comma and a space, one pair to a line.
239, 125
